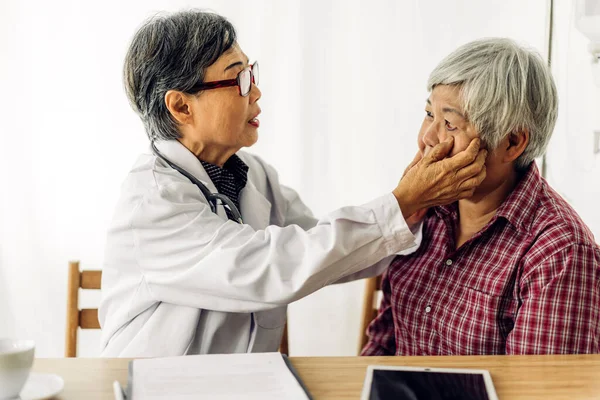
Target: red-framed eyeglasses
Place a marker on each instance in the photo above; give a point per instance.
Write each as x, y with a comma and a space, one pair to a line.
243, 81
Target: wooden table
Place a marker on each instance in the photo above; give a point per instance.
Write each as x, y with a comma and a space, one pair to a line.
515, 377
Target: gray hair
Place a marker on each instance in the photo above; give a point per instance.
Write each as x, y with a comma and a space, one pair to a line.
505, 88
171, 52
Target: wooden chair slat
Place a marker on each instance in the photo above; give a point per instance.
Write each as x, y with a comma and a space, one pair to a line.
91, 279
370, 308
88, 318
84, 319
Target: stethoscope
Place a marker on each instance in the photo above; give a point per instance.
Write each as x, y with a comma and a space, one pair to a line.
213, 198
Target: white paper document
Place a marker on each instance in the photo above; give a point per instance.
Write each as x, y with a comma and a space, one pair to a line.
231, 376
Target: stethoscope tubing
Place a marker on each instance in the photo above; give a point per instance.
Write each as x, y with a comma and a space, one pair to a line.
212, 198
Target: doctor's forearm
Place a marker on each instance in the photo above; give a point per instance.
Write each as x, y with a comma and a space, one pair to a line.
262, 269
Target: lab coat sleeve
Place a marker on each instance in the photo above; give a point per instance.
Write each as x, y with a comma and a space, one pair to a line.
189, 256
296, 212
379, 267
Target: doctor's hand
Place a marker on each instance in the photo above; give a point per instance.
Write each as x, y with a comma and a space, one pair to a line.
417, 217
434, 180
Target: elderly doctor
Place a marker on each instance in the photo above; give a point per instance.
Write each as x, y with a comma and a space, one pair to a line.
185, 275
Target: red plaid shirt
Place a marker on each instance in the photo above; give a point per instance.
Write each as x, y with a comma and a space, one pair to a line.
527, 283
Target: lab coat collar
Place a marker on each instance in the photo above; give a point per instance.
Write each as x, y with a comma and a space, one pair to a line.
178, 154
254, 207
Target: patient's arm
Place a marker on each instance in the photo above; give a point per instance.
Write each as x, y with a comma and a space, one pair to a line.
382, 341
560, 312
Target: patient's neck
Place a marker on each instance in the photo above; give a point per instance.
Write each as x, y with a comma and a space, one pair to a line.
475, 212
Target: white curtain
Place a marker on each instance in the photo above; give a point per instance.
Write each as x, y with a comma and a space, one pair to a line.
573, 168
343, 87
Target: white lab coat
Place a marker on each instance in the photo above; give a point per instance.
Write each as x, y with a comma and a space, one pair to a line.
179, 279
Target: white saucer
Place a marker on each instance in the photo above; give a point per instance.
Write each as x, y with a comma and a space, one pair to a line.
42, 386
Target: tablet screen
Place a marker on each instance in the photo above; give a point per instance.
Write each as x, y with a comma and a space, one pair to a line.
388, 384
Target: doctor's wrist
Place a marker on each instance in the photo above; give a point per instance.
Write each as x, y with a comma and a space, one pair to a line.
408, 206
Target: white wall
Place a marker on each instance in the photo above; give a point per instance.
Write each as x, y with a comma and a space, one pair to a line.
343, 87
573, 168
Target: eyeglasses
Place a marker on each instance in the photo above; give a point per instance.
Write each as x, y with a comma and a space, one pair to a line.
243, 81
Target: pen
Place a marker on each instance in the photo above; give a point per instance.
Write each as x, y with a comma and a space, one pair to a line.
119, 395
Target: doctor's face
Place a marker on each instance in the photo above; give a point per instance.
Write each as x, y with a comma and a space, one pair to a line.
225, 121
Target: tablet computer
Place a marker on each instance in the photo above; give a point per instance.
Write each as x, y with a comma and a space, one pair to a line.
421, 383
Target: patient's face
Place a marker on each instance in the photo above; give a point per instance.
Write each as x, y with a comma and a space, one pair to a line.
444, 117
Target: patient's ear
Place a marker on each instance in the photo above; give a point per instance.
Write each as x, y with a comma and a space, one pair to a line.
515, 143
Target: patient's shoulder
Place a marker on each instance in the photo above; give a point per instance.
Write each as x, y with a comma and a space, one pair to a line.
556, 225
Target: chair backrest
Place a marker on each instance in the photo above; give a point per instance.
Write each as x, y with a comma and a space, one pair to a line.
370, 308
76, 318
88, 317
283, 346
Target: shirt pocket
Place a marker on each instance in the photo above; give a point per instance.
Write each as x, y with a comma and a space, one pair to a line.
271, 319
480, 324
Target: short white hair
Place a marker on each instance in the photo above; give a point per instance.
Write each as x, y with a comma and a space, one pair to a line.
504, 88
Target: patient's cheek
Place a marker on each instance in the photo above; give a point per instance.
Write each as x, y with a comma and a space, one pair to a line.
460, 144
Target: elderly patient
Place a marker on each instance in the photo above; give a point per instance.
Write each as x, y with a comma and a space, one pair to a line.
513, 269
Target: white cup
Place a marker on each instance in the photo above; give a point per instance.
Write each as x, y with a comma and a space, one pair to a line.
16, 358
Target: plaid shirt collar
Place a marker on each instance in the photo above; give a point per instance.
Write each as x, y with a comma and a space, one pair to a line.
518, 208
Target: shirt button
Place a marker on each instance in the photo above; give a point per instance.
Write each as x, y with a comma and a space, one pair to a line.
428, 309
448, 262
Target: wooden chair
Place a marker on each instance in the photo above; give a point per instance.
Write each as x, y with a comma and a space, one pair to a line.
76, 318
370, 308
283, 346
88, 318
